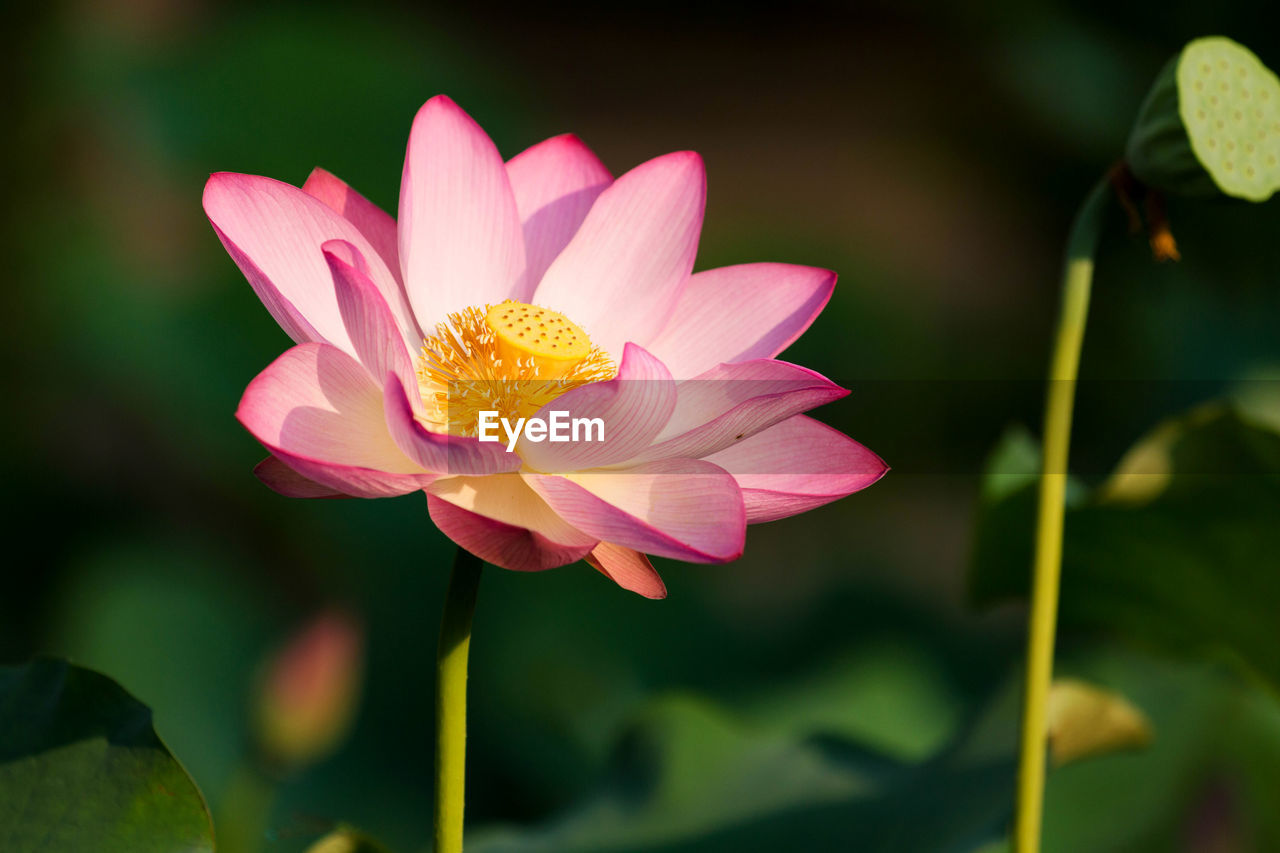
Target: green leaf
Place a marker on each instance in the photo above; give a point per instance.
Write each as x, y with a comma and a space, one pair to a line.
690, 775
82, 769
1176, 551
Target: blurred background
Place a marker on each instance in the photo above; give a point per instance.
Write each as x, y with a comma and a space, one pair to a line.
836, 689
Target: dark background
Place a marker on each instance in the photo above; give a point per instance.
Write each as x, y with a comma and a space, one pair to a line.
931, 153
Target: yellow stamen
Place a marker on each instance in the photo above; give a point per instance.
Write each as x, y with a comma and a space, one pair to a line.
510, 358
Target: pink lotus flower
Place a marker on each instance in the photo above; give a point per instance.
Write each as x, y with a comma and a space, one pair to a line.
400, 334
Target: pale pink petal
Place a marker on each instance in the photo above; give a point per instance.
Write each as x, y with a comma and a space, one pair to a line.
282, 479
621, 274
501, 544
438, 451
506, 499
732, 402
273, 231
555, 183
318, 410
633, 407
739, 313
460, 238
374, 337
373, 222
628, 569
796, 466
686, 509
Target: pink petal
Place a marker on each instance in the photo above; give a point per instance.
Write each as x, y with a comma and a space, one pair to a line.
318, 410
628, 569
796, 466
634, 407
555, 183
686, 509
374, 337
273, 232
621, 274
438, 451
373, 222
506, 500
733, 402
282, 479
504, 545
460, 236
739, 313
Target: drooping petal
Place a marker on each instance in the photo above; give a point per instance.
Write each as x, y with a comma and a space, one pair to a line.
374, 337
633, 407
732, 402
318, 410
797, 465
686, 509
460, 238
373, 222
622, 272
273, 231
628, 569
739, 313
555, 183
283, 480
503, 545
439, 452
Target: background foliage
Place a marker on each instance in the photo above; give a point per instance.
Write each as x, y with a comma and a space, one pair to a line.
837, 686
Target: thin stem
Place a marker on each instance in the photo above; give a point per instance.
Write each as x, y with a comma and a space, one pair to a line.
1076, 283
451, 700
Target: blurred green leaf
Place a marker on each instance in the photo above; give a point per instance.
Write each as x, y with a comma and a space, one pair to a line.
690, 775
1181, 565
82, 769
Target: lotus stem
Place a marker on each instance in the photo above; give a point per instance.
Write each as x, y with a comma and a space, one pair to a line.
1047, 570
451, 701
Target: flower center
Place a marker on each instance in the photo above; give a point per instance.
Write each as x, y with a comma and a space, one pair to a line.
511, 358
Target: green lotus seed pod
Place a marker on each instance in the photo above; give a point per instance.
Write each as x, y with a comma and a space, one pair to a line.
1211, 124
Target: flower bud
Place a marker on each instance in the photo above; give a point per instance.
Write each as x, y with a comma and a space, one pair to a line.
307, 696
1210, 125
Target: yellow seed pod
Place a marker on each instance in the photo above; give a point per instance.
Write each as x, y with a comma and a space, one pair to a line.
1210, 125
550, 340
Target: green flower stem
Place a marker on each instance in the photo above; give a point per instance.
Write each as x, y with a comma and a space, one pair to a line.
451, 700
1047, 571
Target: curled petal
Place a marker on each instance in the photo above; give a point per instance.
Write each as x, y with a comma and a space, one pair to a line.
629, 569
555, 183
460, 238
740, 313
373, 222
686, 509
365, 314
733, 402
274, 231
622, 272
439, 452
633, 407
796, 466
